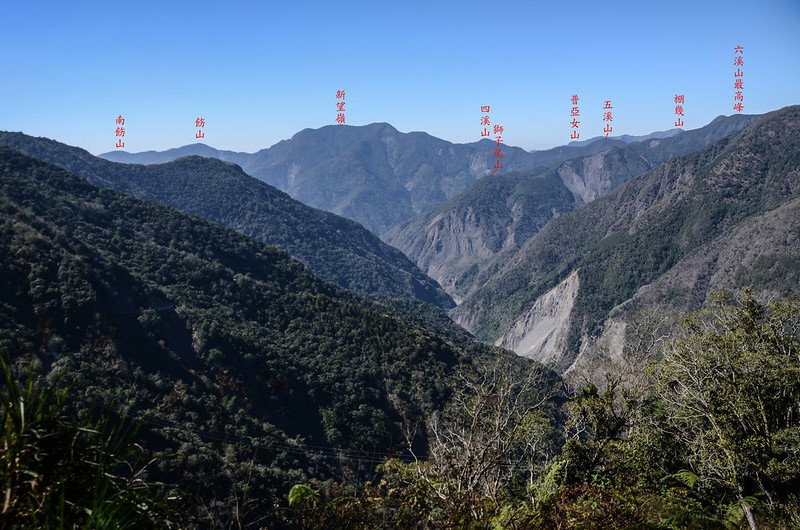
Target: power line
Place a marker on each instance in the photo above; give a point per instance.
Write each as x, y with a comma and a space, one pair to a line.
296, 448
301, 449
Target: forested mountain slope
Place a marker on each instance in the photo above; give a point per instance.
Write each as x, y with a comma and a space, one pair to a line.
463, 241
335, 248
235, 351
587, 263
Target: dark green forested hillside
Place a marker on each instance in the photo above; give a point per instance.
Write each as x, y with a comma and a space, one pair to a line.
253, 374
265, 397
336, 249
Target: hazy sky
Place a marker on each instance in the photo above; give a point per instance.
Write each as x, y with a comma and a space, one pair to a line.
259, 72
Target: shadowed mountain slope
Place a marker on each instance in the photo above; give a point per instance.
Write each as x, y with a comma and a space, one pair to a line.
335, 248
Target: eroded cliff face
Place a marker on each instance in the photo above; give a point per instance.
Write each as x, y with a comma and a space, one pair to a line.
541, 333
597, 175
458, 244
601, 355
453, 243
753, 255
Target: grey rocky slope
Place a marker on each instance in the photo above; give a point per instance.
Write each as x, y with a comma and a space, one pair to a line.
463, 241
724, 217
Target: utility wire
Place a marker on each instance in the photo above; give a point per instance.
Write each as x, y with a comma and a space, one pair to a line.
355, 455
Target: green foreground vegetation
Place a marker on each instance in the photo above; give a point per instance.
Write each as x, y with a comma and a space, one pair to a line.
710, 438
161, 370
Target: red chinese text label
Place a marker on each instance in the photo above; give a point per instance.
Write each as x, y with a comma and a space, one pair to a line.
200, 123
575, 113
679, 100
120, 132
608, 117
738, 81
340, 118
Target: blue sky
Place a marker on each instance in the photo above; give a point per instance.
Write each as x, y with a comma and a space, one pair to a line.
259, 72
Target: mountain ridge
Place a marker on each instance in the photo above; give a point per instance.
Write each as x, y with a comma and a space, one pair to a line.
205, 330
462, 241
631, 238
375, 174
631, 138
337, 249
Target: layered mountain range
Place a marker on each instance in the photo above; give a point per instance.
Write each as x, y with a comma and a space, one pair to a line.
463, 241
723, 217
219, 337
542, 259
336, 249
373, 174
159, 294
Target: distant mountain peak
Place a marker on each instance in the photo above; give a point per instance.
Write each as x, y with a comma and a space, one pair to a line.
347, 129
377, 175
629, 138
